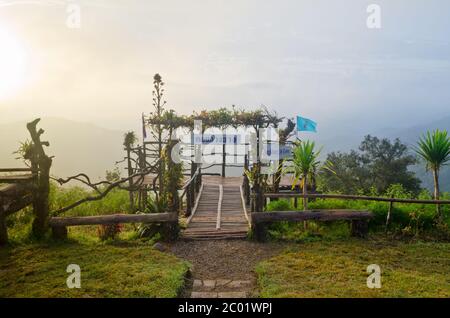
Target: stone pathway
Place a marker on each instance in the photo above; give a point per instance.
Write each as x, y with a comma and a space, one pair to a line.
221, 288
223, 268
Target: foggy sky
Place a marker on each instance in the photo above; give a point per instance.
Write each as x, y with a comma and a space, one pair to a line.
313, 58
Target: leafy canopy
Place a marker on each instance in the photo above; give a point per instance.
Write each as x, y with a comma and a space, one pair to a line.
434, 149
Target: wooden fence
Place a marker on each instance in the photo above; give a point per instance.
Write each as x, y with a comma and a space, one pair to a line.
15, 195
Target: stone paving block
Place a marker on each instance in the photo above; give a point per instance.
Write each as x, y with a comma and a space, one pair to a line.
232, 295
209, 283
197, 283
238, 283
222, 282
203, 295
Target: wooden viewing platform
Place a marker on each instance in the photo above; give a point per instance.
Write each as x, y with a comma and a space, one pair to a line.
219, 212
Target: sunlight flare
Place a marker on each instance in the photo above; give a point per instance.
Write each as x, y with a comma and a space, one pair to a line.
13, 64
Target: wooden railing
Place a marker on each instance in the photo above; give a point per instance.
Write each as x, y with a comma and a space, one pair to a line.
352, 197
16, 178
190, 190
15, 195
391, 200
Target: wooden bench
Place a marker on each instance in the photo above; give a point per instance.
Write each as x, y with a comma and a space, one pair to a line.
169, 219
359, 220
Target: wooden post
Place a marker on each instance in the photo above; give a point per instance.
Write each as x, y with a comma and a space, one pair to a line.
142, 167
192, 185
170, 230
259, 231
259, 200
59, 232
188, 201
246, 183
198, 181
42, 190
359, 228
130, 172
192, 194
224, 154
3, 228
388, 217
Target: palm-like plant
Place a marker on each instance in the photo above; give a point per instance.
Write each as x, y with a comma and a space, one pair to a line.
434, 149
129, 138
305, 164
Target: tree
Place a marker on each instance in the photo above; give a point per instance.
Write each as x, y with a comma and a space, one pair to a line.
388, 163
378, 164
349, 175
434, 149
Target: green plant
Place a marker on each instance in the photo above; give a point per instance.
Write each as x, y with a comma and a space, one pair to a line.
305, 164
25, 152
279, 205
434, 149
129, 139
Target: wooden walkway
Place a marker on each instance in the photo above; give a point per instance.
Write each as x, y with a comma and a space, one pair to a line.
219, 212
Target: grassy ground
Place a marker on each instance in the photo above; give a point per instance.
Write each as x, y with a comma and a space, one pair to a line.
120, 269
338, 269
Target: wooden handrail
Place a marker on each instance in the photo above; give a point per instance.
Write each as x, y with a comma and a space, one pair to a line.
353, 197
16, 170
191, 179
186, 188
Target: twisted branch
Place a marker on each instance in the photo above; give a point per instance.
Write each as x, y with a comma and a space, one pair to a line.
104, 192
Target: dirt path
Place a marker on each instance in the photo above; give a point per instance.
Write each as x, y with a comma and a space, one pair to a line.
224, 266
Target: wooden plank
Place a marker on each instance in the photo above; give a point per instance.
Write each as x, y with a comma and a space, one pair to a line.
353, 197
16, 170
15, 190
196, 205
219, 207
13, 206
113, 219
327, 215
17, 178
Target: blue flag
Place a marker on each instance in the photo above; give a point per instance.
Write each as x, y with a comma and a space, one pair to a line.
305, 124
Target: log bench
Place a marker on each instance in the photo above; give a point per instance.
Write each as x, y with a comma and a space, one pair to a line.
358, 219
169, 220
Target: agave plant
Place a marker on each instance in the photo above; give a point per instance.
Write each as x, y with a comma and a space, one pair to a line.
25, 152
305, 165
434, 149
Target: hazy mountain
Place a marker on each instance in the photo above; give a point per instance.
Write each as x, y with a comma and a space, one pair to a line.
77, 147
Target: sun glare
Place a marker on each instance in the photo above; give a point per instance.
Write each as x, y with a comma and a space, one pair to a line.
13, 62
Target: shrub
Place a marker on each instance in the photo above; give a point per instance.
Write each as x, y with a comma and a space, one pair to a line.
279, 205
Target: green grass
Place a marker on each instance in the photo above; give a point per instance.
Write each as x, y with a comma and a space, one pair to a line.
338, 269
407, 219
107, 270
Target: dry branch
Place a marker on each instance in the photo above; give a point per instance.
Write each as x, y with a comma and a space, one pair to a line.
102, 193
